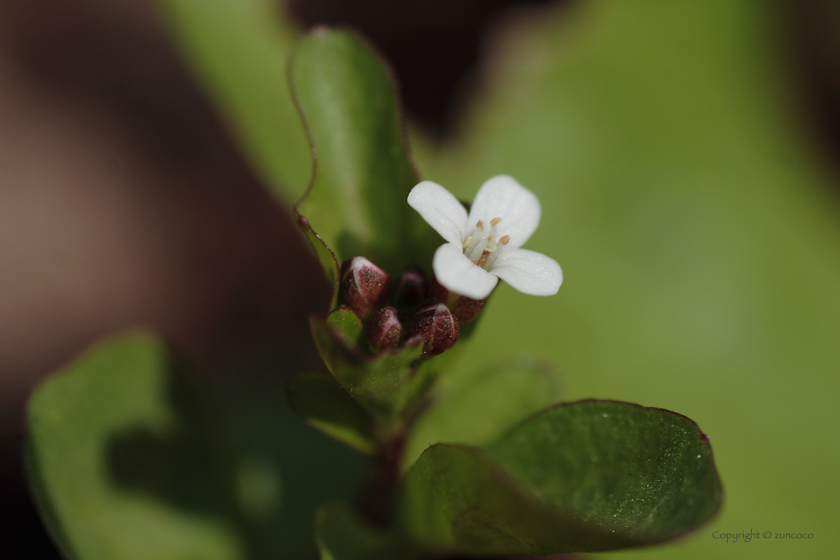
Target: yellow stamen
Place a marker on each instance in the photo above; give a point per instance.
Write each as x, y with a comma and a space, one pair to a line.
467, 242
505, 239
482, 260
495, 221
480, 225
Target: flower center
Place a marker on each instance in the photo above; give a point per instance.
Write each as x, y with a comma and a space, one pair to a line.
481, 251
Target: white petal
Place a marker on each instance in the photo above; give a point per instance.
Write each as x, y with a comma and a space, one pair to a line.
459, 274
529, 272
440, 209
503, 197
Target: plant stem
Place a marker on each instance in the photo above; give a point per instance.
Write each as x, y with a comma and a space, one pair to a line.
378, 501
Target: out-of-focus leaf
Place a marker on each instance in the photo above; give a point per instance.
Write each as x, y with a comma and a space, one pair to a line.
363, 174
486, 404
128, 459
239, 50
343, 536
132, 458
587, 476
322, 402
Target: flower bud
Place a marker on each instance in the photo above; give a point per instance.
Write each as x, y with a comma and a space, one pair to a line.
412, 287
384, 328
467, 309
437, 291
364, 286
463, 308
434, 323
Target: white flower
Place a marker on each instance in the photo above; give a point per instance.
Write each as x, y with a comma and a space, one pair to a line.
485, 246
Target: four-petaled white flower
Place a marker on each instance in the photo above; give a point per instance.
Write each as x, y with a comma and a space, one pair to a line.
485, 246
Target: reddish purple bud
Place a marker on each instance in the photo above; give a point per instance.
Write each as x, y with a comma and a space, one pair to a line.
434, 323
412, 287
467, 309
437, 291
384, 328
364, 286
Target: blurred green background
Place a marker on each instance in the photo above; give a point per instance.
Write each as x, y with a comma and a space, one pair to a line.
697, 226
683, 157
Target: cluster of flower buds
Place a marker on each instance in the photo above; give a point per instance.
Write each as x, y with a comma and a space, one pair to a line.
435, 313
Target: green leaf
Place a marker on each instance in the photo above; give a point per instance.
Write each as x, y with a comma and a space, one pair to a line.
322, 402
389, 381
115, 432
385, 384
130, 457
239, 49
481, 407
325, 255
363, 173
586, 476
343, 536
347, 325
